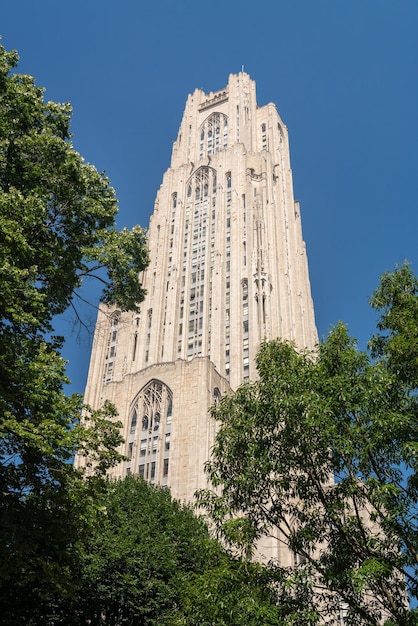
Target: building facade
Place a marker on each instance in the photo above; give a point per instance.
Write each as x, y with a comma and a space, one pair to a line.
228, 269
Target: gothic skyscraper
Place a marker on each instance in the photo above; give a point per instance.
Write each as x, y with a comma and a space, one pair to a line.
228, 269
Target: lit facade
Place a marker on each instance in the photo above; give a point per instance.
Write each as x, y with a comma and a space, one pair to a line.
228, 269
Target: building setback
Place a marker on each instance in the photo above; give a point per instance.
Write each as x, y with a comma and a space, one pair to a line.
228, 269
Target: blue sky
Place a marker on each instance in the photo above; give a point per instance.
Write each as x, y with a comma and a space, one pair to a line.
344, 77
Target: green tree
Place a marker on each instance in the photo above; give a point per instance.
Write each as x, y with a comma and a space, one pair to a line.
148, 560
242, 593
323, 449
57, 216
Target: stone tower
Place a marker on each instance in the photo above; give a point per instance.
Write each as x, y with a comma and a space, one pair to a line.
228, 269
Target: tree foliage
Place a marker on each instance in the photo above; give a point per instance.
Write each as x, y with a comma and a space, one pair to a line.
323, 449
148, 560
57, 216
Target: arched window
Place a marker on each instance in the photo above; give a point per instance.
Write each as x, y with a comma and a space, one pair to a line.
133, 422
216, 396
214, 134
153, 401
203, 183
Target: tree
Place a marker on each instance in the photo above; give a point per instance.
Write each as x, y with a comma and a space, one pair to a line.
57, 216
323, 450
148, 560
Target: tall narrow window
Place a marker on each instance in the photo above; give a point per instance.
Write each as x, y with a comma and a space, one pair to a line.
133, 422
111, 349
148, 334
169, 411
134, 346
165, 467
263, 137
167, 442
196, 254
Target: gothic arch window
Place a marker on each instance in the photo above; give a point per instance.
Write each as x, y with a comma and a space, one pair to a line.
134, 419
151, 406
203, 183
213, 134
201, 190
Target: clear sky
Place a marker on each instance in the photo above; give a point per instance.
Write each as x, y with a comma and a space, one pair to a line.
344, 77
